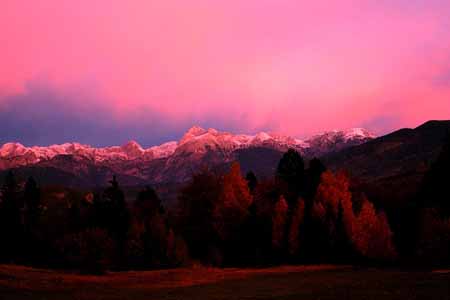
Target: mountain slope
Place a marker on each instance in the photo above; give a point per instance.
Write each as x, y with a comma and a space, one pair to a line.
391, 167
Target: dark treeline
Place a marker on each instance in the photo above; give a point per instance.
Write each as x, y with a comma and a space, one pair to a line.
301, 215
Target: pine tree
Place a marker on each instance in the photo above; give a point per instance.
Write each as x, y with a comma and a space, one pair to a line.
148, 203
196, 203
32, 202
313, 175
252, 181
290, 175
117, 215
11, 218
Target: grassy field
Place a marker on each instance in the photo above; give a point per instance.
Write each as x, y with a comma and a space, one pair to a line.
307, 282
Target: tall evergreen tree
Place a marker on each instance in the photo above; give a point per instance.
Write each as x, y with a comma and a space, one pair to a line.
290, 174
11, 218
313, 175
196, 203
148, 203
117, 215
32, 211
252, 181
32, 201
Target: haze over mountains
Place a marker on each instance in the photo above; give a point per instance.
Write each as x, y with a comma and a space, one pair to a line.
175, 161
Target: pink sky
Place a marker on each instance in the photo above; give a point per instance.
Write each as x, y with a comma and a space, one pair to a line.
279, 65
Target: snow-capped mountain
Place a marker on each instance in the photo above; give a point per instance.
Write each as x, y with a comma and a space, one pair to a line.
336, 140
175, 160
17, 154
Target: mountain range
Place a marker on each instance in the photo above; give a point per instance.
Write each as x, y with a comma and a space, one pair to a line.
75, 164
388, 169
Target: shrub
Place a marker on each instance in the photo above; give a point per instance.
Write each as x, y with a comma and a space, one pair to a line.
90, 251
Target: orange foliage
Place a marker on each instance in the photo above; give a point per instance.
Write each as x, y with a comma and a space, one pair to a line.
294, 230
177, 251
332, 191
369, 232
279, 219
231, 209
372, 236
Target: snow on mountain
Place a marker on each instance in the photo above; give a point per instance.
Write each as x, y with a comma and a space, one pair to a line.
163, 150
358, 133
196, 142
332, 141
198, 139
17, 154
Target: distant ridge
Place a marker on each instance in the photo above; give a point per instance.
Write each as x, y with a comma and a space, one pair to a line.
171, 161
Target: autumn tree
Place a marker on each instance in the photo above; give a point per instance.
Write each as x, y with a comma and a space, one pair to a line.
333, 216
231, 211
368, 233
372, 236
176, 250
295, 228
279, 223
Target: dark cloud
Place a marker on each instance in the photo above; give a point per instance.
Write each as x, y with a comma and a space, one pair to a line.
43, 115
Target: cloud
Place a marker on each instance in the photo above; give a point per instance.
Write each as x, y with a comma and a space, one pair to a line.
443, 79
289, 66
43, 115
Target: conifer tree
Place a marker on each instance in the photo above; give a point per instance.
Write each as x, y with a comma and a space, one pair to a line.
11, 217
290, 175
117, 215
252, 181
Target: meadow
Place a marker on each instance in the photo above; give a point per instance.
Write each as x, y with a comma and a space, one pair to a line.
285, 282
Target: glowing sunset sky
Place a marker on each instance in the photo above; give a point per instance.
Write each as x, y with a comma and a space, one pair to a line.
103, 72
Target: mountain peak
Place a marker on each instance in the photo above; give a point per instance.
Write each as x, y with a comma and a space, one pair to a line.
263, 136
358, 132
195, 130
196, 141
10, 148
132, 149
131, 144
